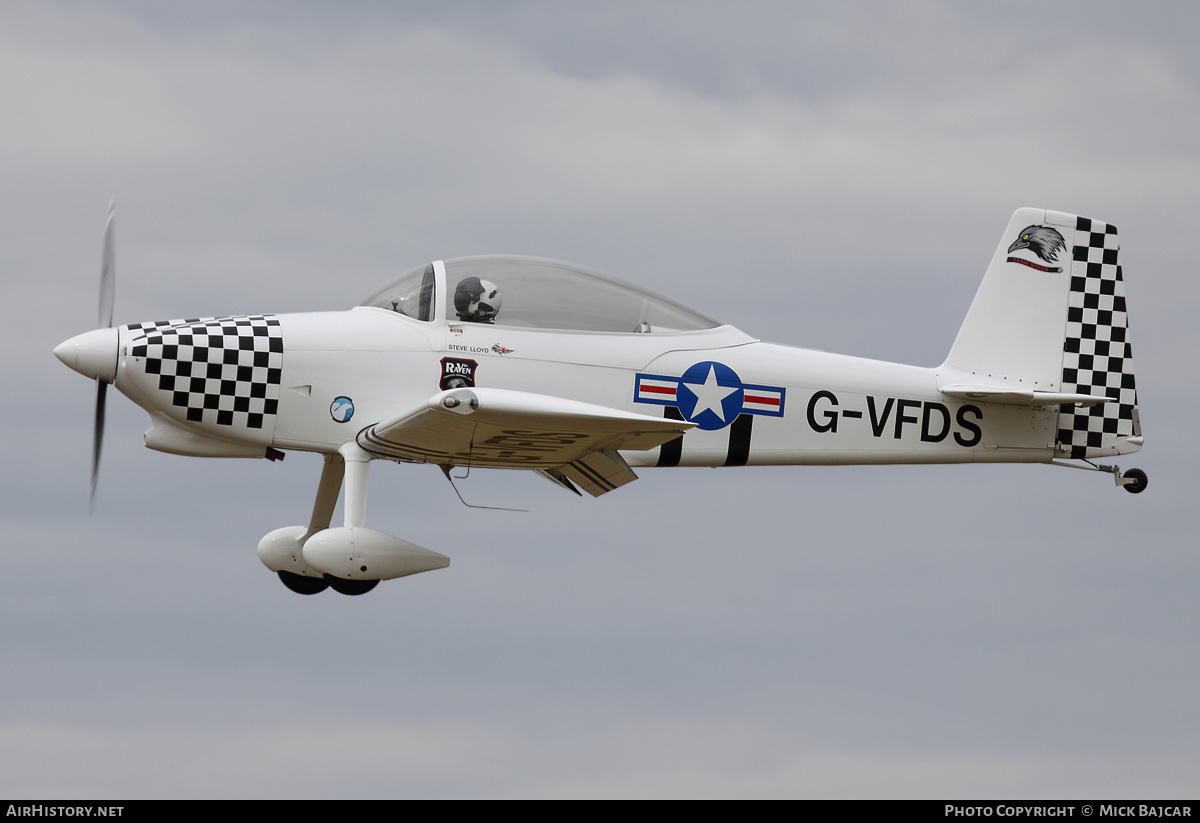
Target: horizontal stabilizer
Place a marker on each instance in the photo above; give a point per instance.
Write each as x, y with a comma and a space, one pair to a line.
1019, 397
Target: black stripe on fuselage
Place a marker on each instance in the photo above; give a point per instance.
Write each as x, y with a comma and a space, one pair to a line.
739, 440
670, 452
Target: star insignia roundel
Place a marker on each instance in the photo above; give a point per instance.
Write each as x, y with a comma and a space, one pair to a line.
709, 394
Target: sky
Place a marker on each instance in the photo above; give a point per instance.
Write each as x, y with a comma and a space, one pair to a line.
826, 175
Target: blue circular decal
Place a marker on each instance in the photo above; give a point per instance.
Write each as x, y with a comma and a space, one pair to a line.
710, 395
342, 409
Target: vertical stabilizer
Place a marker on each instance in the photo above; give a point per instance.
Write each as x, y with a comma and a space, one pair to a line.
1050, 318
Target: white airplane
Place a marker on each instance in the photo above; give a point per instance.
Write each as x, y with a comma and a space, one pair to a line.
522, 363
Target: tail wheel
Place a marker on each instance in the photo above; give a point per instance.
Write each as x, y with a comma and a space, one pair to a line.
1139, 481
303, 585
351, 587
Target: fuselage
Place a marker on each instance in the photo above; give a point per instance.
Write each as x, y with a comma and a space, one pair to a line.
317, 379
1012, 389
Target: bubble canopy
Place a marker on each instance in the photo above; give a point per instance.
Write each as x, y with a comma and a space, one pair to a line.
541, 294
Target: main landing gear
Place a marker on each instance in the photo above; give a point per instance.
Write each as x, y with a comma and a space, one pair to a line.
350, 559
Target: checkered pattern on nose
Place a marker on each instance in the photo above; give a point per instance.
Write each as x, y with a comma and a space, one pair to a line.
223, 370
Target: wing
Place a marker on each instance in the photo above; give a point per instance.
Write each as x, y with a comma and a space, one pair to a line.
566, 440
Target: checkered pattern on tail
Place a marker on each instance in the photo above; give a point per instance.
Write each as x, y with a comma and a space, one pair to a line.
223, 370
1096, 353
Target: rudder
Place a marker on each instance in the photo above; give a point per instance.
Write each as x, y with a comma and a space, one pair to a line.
1097, 357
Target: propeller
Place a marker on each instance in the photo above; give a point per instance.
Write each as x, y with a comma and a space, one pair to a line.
108, 290
94, 353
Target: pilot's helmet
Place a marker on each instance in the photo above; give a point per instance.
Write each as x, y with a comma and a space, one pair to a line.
476, 301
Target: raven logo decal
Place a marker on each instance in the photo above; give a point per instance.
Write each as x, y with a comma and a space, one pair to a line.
1043, 241
457, 373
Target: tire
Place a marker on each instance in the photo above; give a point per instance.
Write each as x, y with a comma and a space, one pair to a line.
303, 585
1139, 481
351, 587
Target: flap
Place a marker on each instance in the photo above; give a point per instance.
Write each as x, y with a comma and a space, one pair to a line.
599, 472
501, 428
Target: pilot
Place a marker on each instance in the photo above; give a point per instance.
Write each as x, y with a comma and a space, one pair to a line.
476, 301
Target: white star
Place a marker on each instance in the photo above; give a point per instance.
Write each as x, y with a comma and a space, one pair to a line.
709, 395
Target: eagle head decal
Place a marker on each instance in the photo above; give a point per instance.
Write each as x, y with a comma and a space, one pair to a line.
1043, 241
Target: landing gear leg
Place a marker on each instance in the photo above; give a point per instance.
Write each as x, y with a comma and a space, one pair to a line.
327, 494
1133, 481
357, 465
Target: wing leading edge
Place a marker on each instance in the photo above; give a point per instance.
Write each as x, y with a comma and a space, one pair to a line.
504, 429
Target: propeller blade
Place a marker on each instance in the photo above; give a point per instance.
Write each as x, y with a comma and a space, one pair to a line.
108, 271
108, 295
97, 439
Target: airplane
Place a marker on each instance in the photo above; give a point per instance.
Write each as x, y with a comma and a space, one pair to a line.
525, 363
